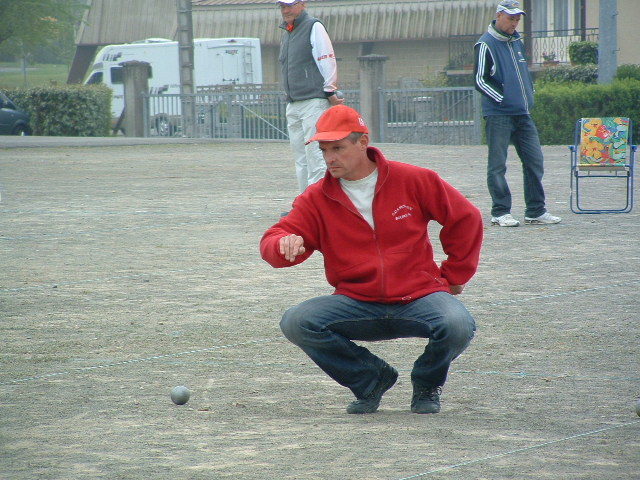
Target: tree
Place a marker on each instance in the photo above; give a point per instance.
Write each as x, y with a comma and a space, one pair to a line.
28, 24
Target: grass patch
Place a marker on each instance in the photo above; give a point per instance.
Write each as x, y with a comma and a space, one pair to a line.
38, 75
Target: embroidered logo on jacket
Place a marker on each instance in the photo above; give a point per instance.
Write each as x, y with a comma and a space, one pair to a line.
403, 211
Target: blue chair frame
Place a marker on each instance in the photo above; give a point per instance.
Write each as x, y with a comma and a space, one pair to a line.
618, 165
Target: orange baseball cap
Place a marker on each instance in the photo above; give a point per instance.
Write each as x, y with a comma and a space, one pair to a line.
336, 123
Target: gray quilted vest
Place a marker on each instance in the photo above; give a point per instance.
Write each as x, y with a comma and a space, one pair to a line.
301, 79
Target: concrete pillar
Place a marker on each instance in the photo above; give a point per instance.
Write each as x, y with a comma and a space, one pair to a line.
372, 80
186, 60
135, 76
527, 6
608, 41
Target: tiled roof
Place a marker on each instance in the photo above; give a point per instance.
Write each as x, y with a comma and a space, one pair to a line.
120, 21
238, 2
208, 3
353, 21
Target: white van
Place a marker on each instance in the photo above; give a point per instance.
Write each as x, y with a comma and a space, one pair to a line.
217, 61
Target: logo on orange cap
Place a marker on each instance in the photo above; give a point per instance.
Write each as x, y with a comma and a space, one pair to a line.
338, 122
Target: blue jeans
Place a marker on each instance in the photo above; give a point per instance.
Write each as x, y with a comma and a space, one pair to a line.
325, 327
520, 130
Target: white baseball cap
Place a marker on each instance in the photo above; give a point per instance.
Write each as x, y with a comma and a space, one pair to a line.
511, 7
289, 2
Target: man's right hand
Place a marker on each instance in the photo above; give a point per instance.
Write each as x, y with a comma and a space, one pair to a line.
291, 246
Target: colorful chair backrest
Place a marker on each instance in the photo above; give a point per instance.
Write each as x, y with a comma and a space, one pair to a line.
604, 142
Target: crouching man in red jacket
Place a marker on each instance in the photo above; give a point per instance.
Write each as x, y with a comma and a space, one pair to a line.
369, 218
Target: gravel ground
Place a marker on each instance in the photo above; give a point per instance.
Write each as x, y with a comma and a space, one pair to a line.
130, 266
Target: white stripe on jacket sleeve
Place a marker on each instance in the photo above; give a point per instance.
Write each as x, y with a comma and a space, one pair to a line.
483, 51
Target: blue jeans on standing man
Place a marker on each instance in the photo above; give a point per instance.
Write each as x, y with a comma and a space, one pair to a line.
325, 327
520, 130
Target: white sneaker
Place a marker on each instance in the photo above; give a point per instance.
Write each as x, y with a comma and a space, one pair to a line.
545, 219
505, 220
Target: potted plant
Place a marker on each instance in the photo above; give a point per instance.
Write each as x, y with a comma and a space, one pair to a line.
549, 59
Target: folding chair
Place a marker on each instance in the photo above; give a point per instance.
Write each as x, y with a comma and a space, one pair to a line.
602, 150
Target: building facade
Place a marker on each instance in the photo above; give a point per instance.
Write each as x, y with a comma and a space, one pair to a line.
420, 38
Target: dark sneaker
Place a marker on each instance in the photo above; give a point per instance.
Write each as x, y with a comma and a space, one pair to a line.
370, 403
426, 400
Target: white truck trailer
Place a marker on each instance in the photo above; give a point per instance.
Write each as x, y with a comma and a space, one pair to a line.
217, 61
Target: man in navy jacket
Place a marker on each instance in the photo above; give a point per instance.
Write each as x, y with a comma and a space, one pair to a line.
503, 79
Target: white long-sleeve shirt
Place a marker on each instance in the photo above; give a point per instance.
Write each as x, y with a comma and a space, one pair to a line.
324, 56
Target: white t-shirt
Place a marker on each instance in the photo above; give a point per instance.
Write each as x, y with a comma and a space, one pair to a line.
360, 192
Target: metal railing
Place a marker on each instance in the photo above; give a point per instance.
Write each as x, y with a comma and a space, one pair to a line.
257, 113
553, 45
544, 43
428, 115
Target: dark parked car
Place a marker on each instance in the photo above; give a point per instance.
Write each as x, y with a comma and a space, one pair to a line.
12, 120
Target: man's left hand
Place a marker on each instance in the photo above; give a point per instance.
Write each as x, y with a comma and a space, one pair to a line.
335, 100
456, 289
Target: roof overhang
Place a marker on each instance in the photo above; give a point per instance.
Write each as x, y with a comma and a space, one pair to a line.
349, 21
121, 21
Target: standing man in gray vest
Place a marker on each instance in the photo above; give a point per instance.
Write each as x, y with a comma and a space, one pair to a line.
503, 79
309, 77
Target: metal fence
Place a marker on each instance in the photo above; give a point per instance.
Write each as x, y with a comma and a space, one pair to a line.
432, 116
428, 116
553, 45
258, 114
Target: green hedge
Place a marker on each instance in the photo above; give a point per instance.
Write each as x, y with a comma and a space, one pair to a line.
587, 73
582, 53
69, 110
559, 105
628, 71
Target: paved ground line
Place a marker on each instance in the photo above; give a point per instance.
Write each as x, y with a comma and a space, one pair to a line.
563, 294
518, 450
135, 360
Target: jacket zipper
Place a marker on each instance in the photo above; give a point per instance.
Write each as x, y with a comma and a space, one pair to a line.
383, 287
375, 240
515, 63
373, 231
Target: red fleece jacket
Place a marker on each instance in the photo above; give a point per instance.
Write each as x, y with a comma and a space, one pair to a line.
393, 262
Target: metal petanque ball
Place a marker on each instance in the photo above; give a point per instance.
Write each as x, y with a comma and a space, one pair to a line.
638, 407
180, 395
